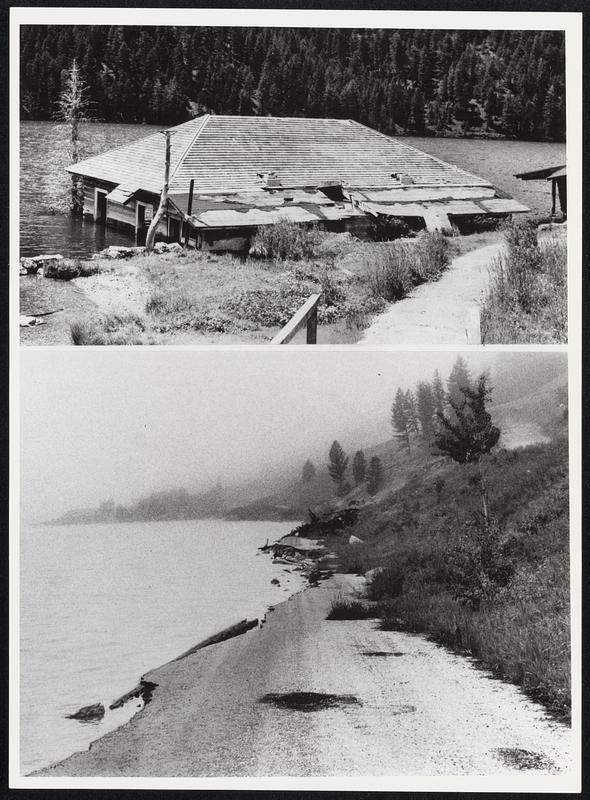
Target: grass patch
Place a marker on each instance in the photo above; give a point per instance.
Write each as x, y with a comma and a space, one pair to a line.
344, 608
527, 296
111, 329
394, 268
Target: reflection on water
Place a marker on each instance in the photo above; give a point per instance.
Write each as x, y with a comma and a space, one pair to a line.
70, 236
45, 183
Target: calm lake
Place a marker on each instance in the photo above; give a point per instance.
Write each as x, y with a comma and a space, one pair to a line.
44, 183
102, 604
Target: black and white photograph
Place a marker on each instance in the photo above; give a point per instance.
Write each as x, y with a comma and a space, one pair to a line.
365, 573
247, 185
295, 400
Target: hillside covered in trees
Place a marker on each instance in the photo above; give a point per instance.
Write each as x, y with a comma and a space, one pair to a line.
494, 83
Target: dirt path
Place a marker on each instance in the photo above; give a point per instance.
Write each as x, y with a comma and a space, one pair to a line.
418, 710
436, 313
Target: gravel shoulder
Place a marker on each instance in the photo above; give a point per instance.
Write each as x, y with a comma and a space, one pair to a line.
419, 710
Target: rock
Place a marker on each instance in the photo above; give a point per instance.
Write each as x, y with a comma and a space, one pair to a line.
160, 247
175, 247
119, 251
62, 270
354, 540
88, 713
275, 582
22, 271
29, 265
372, 573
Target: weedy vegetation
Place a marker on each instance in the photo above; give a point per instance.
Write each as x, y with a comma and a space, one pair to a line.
394, 268
499, 592
527, 296
345, 608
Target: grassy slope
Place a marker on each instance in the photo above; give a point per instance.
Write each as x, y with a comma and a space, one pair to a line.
524, 634
426, 505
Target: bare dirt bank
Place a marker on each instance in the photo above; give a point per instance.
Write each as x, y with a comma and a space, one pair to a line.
408, 707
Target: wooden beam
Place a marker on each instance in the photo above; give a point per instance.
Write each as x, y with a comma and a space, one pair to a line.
306, 315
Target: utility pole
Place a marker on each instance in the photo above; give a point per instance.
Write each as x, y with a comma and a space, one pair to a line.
151, 234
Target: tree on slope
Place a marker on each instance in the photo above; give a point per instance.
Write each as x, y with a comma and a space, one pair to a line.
337, 467
438, 394
425, 405
467, 435
359, 467
459, 378
308, 472
403, 417
374, 475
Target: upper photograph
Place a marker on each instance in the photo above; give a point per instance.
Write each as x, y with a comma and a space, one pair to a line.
235, 185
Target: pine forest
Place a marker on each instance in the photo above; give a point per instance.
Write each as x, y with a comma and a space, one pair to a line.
423, 82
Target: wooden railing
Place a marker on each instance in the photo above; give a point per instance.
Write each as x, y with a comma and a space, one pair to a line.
307, 315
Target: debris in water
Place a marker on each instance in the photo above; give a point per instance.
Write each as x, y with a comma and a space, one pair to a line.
308, 701
88, 713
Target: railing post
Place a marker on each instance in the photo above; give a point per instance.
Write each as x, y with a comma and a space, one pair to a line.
312, 327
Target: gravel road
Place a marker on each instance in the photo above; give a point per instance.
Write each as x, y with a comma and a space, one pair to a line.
417, 710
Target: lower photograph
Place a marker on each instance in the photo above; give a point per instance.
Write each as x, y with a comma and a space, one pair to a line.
294, 564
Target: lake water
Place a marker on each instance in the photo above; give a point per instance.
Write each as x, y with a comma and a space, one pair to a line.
103, 604
44, 182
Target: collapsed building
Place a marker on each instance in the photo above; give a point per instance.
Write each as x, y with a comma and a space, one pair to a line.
228, 175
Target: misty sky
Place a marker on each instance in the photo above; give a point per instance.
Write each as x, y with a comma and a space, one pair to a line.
120, 423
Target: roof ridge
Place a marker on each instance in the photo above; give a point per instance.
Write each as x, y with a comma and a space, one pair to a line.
202, 126
417, 150
268, 117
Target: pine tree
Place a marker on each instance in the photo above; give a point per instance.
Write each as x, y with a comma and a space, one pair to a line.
72, 107
438, 394
374, 475
359, 467
425, 404
459, 379
399, 418
308, 472
468, 434
337, 467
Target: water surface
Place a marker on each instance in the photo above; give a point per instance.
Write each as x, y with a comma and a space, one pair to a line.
102, 604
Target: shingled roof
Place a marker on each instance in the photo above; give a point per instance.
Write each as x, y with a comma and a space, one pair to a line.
237, 154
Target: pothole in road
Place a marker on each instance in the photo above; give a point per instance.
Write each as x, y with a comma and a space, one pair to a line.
403, 710
308, 701
524, 759
380, 653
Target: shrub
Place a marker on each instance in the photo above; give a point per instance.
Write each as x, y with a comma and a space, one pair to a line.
478, 565
386, 583
285, 240
384, 230
343, 608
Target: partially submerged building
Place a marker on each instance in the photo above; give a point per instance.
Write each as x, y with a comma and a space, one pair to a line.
558, 177
251, 171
